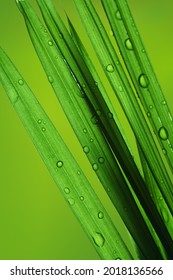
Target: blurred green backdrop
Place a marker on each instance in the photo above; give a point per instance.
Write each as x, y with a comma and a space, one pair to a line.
35, 222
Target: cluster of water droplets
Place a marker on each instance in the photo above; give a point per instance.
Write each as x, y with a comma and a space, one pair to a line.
95, 165
42, 122
86, 150
67, 190
13, 95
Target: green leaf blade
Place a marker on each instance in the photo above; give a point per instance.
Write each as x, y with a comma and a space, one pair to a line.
138, 62
62, 166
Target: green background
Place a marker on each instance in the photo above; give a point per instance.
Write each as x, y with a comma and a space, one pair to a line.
35, 221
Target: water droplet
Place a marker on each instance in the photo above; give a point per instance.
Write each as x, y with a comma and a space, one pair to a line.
110, 68
161, 198
50, 43
91, 140
85, 130
151, 107
59, 164
78, 172
21, 82
164, 214
117, 259
71, 201
100, 215
101, 160
128, 44
99, 239
96, 84
170, 146
163, 134
148, 114
67, 190
143, 81
95, 166
118, 15
94, 119
50, 79
81, 198
110, 115
164, 151
86, 149
39, 121
43, 129
164, 102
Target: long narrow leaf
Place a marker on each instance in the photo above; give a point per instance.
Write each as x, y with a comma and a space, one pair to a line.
62, 166
142, 73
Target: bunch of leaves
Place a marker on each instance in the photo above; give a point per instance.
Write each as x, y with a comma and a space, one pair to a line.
86, 104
